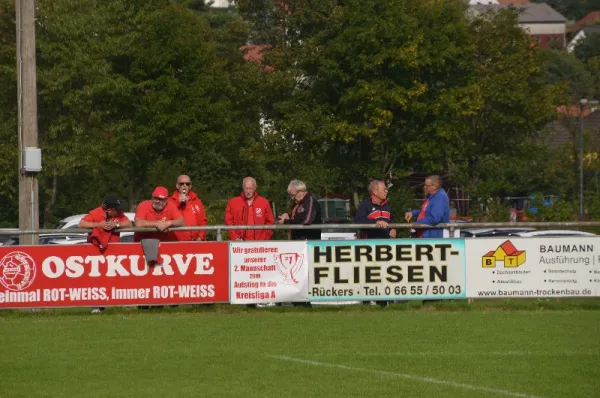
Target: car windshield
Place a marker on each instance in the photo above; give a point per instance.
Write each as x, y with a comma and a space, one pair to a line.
60, 225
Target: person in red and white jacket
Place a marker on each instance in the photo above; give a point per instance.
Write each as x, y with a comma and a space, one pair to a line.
249, 209
189, 204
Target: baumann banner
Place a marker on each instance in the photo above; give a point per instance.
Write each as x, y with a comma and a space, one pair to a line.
533, 267
268, 272
386, 269
79, 276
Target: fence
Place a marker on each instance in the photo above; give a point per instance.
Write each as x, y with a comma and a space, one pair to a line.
451, 227
253, 272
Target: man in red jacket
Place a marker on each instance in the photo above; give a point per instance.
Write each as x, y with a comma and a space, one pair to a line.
190, 205
104, 220
158, 213
249, 209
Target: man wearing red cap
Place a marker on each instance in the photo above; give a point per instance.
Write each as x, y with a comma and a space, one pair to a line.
191, 207
249, 209
158, 213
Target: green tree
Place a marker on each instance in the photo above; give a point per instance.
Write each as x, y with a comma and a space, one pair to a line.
589, 47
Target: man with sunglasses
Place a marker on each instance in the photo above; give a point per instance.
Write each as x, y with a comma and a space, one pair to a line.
190, 206
249, 208
158, 213
305, 211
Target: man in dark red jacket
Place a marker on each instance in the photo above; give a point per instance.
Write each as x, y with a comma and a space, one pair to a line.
249, 209
189, 204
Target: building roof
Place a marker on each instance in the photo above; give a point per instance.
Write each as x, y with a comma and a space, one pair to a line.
590, 19
539, 13
591, 29
529, 12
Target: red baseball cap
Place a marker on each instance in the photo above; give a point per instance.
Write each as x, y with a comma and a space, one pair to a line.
160, 192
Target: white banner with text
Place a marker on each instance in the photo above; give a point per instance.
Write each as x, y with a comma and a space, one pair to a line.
386, 269
533, 267
268, 272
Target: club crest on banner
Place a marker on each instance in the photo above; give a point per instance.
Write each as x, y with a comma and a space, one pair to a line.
288, 265
17, 271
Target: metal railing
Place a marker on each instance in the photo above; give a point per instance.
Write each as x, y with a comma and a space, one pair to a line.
451, 227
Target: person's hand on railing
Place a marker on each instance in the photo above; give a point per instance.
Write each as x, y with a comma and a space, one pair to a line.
282, 218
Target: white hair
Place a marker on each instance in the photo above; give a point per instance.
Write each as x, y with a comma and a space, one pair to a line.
248, 179
298, 184
374, 185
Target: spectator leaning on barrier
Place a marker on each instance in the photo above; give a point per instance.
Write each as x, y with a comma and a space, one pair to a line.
306, 211
190, 206
249, 209
434, 210
158, 213
104, 220
376, 210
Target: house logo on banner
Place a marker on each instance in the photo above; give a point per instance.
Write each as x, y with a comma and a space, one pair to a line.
289, 265
506, 253
17, 271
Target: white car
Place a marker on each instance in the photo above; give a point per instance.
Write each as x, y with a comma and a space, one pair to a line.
338, 234
73, 221
553, 233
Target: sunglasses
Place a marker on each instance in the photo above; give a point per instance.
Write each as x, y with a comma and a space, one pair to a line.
185, 183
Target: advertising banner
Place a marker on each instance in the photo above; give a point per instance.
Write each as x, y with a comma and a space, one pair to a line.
533, 267
80, 276
386, 269
268, 272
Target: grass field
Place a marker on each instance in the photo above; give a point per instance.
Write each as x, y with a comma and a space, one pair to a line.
453, 350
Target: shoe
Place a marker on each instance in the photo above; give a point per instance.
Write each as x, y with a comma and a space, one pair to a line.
97, 310
382, 303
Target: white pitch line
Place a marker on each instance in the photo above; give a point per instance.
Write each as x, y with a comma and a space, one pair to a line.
430, 380
470, 354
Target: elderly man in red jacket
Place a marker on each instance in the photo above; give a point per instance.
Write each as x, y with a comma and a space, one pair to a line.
249, 209
189, 204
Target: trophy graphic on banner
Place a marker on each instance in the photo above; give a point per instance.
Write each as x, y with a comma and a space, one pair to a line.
288, 265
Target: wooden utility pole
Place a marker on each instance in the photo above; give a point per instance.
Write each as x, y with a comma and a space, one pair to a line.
28, 127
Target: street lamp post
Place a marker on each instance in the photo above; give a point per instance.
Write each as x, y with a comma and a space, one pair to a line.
582, 103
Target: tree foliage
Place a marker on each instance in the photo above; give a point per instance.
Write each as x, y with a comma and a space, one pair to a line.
133, 93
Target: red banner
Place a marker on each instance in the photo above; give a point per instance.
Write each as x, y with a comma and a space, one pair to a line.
80, 276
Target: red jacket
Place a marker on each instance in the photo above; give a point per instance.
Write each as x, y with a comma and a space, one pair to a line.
145, 211
194, 215
238, 212
99, 237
